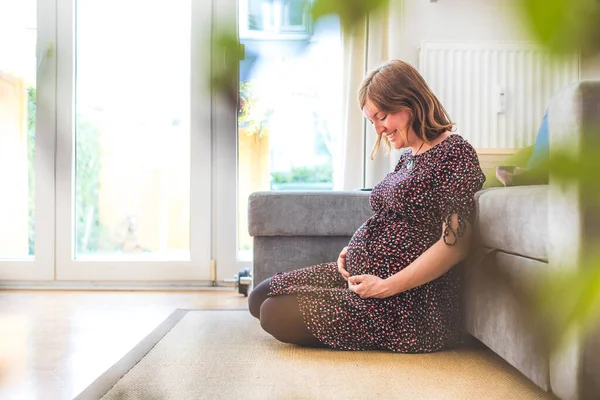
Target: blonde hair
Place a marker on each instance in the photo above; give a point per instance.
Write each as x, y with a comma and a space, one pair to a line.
397, 86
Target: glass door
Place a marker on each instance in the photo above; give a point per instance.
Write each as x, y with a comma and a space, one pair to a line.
134, 140
27, 84
290, 116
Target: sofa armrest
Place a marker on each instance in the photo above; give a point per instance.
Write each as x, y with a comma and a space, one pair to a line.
297, 229
574, 122
335, 213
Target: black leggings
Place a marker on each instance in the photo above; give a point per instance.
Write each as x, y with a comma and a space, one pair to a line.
280, 316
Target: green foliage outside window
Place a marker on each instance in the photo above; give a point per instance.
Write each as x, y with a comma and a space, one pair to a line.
250, 116
317, 174
87, 182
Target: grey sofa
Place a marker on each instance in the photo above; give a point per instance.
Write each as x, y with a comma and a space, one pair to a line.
530, 231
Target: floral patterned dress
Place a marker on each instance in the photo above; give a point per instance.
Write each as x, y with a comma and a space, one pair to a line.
409, 207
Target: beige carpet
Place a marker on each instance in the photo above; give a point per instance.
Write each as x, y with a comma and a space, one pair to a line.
226, 355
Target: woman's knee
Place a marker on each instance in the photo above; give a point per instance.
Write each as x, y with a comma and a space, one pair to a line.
281, 317
257, 296
273, 318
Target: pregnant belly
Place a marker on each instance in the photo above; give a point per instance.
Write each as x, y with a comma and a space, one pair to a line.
386, 249
356, 257
356, 261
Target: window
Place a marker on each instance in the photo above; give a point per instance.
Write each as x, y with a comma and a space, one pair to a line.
18, 39
290, 117
269, 19
132, 130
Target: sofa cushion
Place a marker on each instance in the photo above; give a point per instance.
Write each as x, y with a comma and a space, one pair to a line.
335, 213
273, 254
514, 220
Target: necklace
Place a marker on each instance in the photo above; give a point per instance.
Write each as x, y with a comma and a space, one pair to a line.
410, 163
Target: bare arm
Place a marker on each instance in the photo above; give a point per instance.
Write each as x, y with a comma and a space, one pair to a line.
433, 263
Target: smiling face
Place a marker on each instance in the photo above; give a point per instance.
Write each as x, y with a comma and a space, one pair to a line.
393, 126
397, 85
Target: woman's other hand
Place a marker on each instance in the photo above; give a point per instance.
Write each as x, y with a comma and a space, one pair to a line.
369, 286
341, 263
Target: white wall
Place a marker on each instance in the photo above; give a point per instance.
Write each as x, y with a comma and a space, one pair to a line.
410, 22
451, 20
413, 21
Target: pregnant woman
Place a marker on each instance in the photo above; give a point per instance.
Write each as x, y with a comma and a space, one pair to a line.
393, 287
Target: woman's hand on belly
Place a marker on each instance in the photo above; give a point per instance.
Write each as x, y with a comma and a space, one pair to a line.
369, 286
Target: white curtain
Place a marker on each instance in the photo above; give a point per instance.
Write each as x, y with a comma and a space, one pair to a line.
364, 49
350, 168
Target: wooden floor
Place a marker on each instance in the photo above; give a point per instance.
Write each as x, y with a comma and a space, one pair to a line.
53, 344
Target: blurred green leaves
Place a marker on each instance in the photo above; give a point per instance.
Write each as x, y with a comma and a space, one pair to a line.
572, 297
569, 299
227, 52
564, 25
351, 12
582, 168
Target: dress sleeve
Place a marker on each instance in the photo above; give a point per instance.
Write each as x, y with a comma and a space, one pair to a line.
460, 177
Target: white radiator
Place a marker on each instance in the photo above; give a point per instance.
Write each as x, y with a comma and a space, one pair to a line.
496, 92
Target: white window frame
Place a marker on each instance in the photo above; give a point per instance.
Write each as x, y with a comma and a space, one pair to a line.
197, 268
224, 168
213, 190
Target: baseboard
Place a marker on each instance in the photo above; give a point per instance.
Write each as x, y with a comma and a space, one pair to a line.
125, 286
